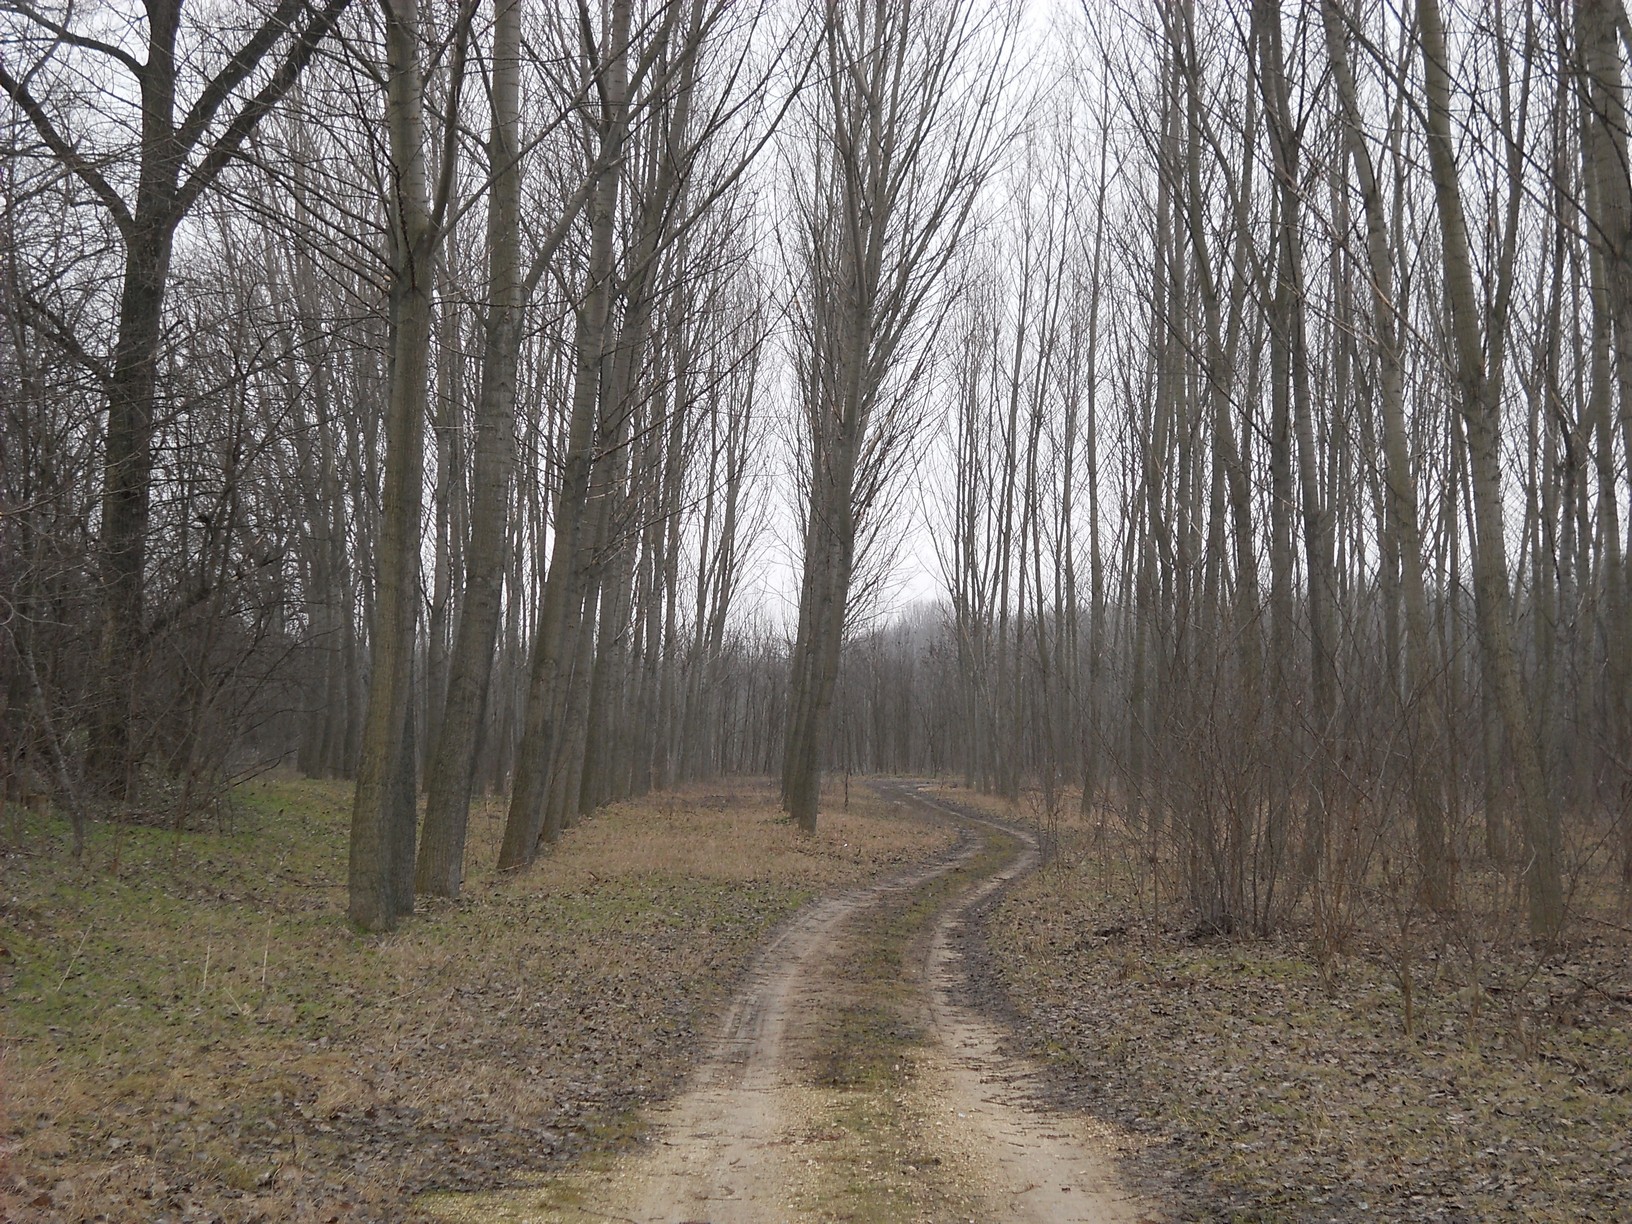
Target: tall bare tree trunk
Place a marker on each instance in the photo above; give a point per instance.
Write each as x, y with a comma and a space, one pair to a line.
382, 819
564, 586
1481, 419
1609, 217
453, 754
1293, 384
906, 146
177, 162
1403, 521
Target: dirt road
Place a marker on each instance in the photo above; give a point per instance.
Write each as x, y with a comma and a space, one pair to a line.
849, 1082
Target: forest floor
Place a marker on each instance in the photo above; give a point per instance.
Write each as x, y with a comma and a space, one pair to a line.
851, 1080
1275, 1079
192, 1032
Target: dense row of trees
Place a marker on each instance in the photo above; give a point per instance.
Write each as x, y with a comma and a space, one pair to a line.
414, 394
430, 502
1288, 439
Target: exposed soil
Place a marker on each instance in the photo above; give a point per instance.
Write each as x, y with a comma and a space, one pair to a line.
835, 1090
1041, 1164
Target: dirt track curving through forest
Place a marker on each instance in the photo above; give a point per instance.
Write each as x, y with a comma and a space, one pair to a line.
949, 1131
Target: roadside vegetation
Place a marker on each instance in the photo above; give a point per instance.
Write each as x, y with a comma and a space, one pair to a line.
193, 1031
1396, 1066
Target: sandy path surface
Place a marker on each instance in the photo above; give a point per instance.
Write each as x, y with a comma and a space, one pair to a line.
756, 1139
732, 1149
1029, 1164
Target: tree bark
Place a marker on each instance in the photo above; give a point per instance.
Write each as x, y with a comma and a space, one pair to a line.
563, 585
452, 773
1480, 412
381, 820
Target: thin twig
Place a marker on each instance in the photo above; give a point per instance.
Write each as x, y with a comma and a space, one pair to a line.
63, 981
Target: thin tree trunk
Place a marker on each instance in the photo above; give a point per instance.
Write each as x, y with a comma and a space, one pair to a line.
452, 774
1609, 208
378, 893
563, 586
1403, 522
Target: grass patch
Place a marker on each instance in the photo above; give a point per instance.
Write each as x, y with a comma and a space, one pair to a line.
191, 1025
875, 1024
861, 1054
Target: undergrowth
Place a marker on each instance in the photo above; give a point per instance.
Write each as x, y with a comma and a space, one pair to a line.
1400, 1077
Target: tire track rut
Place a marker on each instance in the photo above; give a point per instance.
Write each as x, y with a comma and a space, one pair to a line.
957, 1135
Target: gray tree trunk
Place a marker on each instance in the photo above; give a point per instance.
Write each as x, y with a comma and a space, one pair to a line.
452, 773
382, 817
1481, 419
564, 584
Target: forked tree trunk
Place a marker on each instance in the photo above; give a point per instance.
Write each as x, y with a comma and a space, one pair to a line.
180, 158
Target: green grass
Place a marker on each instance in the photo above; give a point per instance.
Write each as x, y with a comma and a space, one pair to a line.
190, 1019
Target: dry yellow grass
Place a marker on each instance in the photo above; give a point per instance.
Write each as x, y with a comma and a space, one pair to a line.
976, 801
729, 830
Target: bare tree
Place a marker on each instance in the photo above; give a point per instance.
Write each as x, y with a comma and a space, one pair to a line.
384, 811
1599, 26
453, 751
147, 188
1480, 414
904, 131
